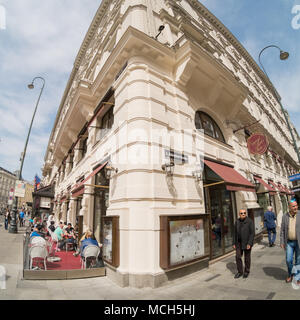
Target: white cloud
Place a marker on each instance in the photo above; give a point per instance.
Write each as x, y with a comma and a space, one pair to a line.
41, 38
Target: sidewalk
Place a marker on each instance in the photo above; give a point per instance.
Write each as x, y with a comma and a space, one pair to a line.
266, 280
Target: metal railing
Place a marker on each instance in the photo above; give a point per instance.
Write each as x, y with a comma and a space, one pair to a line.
26, 241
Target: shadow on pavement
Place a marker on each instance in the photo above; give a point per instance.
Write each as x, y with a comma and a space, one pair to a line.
231, 266
277, 273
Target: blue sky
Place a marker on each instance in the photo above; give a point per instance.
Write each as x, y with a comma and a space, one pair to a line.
42, 38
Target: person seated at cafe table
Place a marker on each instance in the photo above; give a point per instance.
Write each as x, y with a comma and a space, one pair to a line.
69, 235
51, 227
37, 231
88, 240
60, 234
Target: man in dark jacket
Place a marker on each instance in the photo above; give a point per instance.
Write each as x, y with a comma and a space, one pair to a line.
243, 242
270, 225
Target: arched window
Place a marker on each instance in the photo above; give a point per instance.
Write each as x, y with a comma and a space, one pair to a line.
204, 121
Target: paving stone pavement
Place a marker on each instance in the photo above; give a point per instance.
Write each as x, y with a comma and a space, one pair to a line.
265, 282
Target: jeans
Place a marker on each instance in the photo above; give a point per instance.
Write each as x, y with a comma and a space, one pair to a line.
272, 237
6, 224
292, 249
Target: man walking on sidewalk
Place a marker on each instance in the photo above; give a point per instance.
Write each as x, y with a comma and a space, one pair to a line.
243, 242
270, 225
21, 217
290, 237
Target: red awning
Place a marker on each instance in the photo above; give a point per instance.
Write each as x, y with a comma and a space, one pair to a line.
233, 180
274, 185
281, 188
287, 190
80, 186
266, 185
78, 192
64, 198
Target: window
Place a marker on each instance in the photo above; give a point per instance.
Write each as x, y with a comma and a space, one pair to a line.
105, 123
83, 147
71, 162
205, 122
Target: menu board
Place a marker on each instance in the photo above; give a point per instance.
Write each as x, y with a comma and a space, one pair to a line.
257, 215
186, 240
107, 240
258, 220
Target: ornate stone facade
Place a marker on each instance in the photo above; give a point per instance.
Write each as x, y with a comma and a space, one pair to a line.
155, 84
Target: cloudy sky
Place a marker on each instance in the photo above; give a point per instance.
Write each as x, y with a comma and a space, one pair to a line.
42, 38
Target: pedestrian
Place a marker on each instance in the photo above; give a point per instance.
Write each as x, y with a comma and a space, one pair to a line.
7, 219
290, 238
21, 218
270, 225
242, 242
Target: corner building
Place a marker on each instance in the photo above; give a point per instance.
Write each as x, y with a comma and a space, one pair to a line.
160, 110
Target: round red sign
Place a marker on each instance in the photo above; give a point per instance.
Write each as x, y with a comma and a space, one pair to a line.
257, 143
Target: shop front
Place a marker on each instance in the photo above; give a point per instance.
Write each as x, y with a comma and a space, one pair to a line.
295, 179
101, 198
220, 184
265, 194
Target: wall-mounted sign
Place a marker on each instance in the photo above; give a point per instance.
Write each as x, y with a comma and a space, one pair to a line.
294, 177
45, 202
177, 157
257, 143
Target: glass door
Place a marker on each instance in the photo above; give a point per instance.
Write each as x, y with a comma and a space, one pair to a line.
101, 202
216, 223
222, 220
100, 207
228, 221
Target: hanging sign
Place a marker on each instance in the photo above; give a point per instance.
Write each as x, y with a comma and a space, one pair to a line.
257, 143
20, 189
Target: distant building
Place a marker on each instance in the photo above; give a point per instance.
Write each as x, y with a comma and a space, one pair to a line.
26, 201
7, 182
151, 144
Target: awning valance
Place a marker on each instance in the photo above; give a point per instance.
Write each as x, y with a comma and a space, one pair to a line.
281, 188
80, 185
233, 180
268, 188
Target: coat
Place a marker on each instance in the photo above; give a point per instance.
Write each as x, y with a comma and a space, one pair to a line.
246, 230
269, 220
284, 230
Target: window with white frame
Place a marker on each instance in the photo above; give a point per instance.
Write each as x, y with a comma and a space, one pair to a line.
105, 123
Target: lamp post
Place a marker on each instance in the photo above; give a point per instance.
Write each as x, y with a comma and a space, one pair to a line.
13, 225
282, 56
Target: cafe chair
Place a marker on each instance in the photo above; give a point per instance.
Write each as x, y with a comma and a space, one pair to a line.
54, 240
38, 251
90, 251
71, 244
38, 241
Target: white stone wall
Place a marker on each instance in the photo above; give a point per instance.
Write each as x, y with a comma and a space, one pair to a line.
156, 96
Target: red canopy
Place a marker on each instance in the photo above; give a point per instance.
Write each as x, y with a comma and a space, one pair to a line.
266, 185
233, 180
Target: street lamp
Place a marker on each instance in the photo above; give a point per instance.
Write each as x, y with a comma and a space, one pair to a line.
13, 225
283, 56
